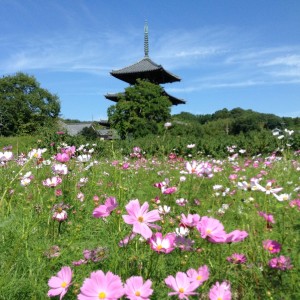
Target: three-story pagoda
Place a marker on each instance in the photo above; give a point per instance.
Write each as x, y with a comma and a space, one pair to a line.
145, 69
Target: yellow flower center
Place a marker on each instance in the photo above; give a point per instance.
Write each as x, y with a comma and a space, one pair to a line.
140, 219
199, 277
270, 248
208, 231
102, 295
64, 284
219, 298
137, 293
159, 247
181, 290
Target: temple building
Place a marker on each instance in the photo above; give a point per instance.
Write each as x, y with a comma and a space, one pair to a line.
145, 69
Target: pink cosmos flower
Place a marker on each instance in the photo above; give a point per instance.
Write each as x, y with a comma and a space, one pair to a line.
181, 285
105, 210
136, 289
127, 239
140, 218
267, 217
52, 182
62, 157
70, 150
60, 169
191, 220
6, 156
282, 263
60, 215
101, 286
164, 244
193, 167
60, 283
236, 236
198, 276
237, 258
220, 291
212, 229
169, 190
272, 246
206, 170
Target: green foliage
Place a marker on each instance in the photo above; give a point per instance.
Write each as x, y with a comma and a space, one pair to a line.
25, 107
142, 110
89, 133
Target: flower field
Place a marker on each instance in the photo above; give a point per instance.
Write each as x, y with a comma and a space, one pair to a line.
77, 225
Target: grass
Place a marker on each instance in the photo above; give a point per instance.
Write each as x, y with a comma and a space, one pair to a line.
27, 230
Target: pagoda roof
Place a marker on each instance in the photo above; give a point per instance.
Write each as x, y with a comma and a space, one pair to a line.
174, 100
145, 69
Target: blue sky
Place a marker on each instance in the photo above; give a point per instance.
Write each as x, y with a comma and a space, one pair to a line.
228, 53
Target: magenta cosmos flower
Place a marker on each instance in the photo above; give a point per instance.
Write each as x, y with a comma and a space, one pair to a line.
220, 291
272, 246
101, 286
160, 243
136, 289
198, 276
60, 283
105, 210
182, 285
140, 218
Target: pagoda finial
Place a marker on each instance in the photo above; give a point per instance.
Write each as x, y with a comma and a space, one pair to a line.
146, 41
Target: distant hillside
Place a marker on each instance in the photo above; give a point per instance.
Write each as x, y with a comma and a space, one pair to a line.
236, 121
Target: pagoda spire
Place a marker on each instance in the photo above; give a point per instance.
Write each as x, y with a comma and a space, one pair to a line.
146, 40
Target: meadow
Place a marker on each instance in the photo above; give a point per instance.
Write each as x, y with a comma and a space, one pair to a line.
78, 224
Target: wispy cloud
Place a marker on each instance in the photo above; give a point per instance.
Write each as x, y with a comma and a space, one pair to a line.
209, 57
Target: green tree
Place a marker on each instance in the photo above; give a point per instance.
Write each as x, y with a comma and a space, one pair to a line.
141, 110
25, 107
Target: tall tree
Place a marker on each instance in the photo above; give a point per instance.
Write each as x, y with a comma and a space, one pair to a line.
25, 107
141, 110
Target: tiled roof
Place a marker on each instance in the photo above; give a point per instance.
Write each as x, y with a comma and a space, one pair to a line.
174, 100
145, 69
74, 129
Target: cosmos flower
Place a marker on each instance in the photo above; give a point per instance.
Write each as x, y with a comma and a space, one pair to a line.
105, 209
160, 243
60, 283
268, 217
212, 229
282, 263
52, 182
191, 220
140, 218
272, 246
220, 291
101, 286
199, 276
62, 157
136, 289
236, 236
237, 258
182, 285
